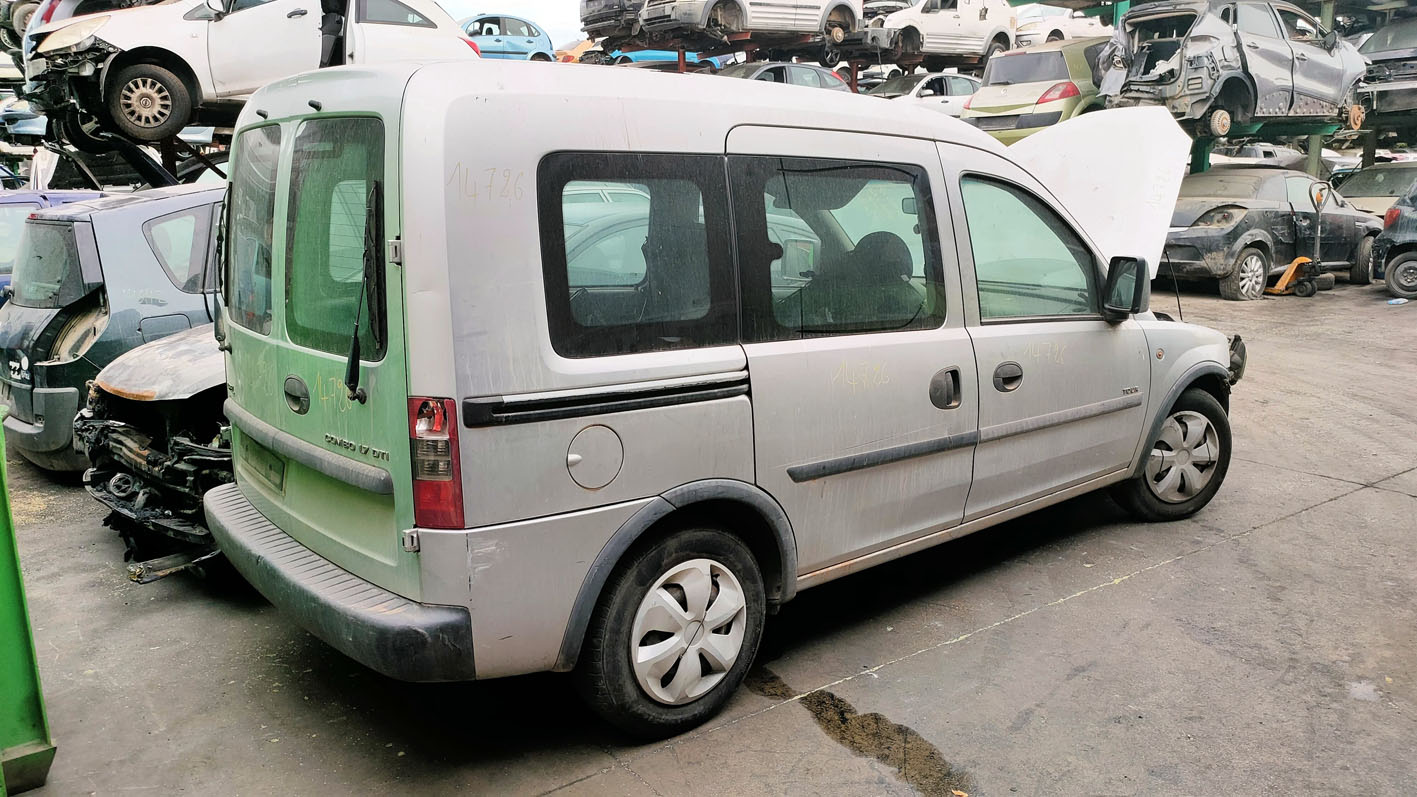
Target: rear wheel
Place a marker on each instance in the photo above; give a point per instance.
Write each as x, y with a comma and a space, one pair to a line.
1361, 273
1185, 464
149, 103
1247, 280
1402, 276
540, 57
674, 633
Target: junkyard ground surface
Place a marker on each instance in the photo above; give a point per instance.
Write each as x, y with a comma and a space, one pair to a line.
1267, 646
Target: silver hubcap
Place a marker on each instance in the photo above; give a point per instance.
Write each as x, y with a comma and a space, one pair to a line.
1183, 459
146, 102
1406, 276
688, 631
1252, 275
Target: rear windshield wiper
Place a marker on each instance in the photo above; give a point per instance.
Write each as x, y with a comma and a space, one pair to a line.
369, 289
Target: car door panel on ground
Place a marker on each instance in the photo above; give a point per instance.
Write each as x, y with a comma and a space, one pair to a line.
1062, 393
289, 31
864, 401
1268, 58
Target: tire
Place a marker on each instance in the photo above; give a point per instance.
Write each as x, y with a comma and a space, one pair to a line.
1197, 422
9, 39
1055, 36
607, 678
1247, 280
1402, 276
20, 14
541, 57
1361, 273
829, 57
1305, 288
148, 103
994, 49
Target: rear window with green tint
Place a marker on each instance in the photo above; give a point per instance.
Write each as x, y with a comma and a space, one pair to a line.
335, 167
252, 217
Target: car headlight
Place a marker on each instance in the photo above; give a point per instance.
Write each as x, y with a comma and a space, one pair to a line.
1220, 217
72, 38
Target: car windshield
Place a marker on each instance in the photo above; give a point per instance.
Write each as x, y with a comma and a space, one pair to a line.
47, 271
739, 70
898, 85
1397, 36
12, 225
1216, 183
1006, 70
1386, 181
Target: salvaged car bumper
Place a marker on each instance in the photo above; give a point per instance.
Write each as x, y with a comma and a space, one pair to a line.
50, 432
389, 633
611, 22
1008, 129
1204, 252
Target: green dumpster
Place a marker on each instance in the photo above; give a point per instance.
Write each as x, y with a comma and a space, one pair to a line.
26, 750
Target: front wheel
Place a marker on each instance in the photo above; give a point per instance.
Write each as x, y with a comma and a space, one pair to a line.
1185, 464
674, 633
1402, 276
149, 103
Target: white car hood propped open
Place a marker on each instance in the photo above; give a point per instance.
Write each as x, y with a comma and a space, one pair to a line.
1118, 172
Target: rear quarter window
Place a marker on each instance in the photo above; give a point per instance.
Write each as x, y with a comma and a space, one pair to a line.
179, 242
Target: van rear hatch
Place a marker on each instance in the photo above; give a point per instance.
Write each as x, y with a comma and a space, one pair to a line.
306, 257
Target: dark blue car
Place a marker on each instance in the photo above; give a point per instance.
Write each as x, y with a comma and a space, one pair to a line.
15, 207
1395, 250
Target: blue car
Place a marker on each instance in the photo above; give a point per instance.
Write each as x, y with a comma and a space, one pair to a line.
691, 60
15, 207
512, 38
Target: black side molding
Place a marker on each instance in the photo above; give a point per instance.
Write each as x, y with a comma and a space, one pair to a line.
883, 456
499, 410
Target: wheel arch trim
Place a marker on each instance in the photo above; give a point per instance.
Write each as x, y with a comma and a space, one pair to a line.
679, 498
1193, 375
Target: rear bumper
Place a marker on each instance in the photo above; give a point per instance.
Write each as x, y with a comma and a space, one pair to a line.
53, 409
398, 637
680, 15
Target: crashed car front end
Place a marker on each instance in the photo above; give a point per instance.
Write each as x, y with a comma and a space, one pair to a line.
155, 434
1390, 86
64, 70
612, 19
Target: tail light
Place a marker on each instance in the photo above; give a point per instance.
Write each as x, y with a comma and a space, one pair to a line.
968, 101
473, 45
1060, 91
1390, 218
437, 472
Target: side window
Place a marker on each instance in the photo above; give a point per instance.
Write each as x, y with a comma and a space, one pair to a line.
802, 76
1298, 193
242, 5
834, 247
960, 86
1297, 26
1027, 261
773, 75
392, 12
934, 87
1257, 19
627, 277
251, 219
179, 241
515, 27
335, 175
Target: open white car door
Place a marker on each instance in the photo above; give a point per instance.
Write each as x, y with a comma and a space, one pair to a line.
1119, 177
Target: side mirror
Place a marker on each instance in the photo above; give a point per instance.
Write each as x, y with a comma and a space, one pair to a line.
8, 291
1331, 40
1128, 289
218, 8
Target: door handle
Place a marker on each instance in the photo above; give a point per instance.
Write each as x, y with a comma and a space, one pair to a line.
1007, 377
1301, 57
299, 12
297, 394
1252, 45
944, 388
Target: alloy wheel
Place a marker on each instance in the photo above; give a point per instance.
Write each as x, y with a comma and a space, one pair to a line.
1183, 459
688, 631
1252, 275
146, 102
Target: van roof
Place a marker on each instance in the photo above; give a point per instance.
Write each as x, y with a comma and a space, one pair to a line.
655, 111
77, 211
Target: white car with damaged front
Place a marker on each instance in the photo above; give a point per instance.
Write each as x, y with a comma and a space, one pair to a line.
147, 72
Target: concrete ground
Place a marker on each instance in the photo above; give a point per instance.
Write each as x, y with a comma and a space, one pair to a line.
1266, 646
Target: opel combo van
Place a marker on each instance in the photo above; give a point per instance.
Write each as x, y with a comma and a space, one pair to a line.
482, 427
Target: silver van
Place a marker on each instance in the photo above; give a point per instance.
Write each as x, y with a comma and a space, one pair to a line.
485, 422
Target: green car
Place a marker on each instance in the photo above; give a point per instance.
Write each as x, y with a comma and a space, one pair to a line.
1027, 90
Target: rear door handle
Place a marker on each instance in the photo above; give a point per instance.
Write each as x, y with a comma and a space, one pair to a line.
944, 388
1301, 57
1007, 377
299, 12
1252, 45
297, 394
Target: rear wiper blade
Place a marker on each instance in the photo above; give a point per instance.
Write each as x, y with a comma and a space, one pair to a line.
369, 285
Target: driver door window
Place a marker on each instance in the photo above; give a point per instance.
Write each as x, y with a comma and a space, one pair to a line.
1299, 28
1028, 262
